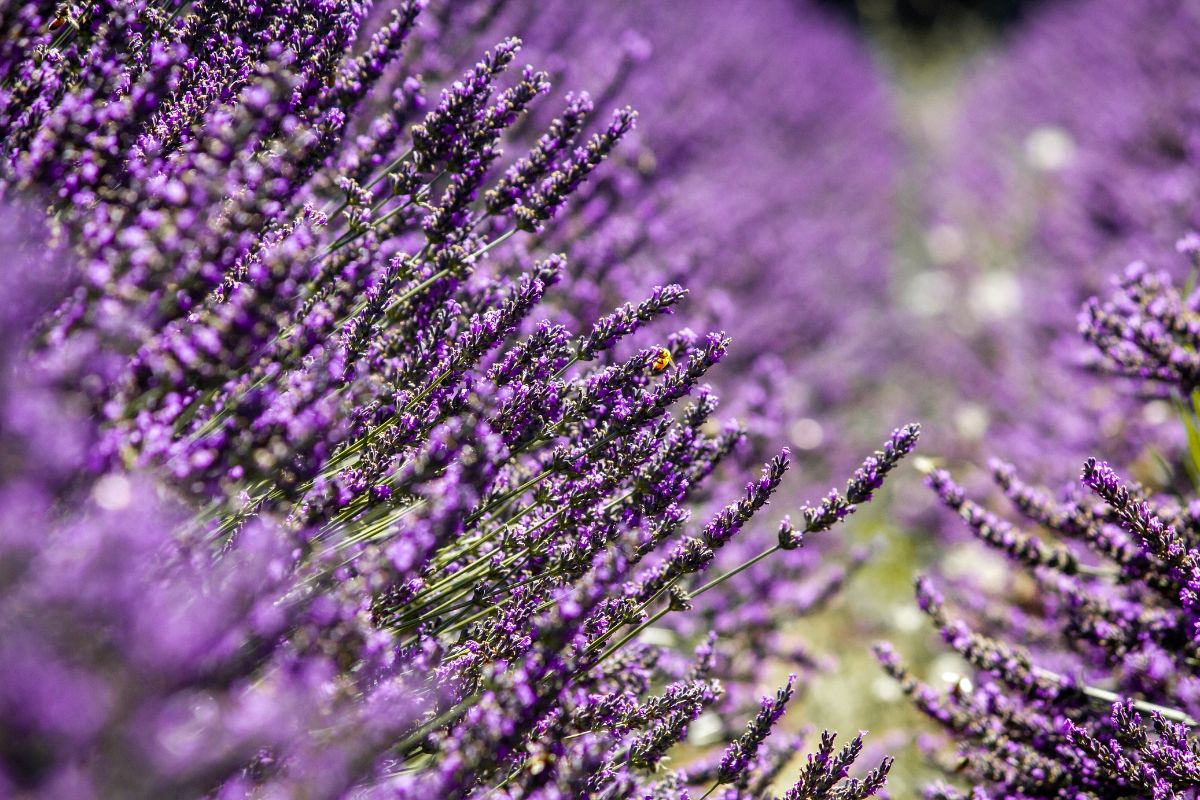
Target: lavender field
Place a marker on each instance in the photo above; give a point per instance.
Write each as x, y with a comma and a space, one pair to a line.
434, 399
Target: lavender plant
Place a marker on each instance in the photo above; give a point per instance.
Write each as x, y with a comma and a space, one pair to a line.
425, 528
1087, 687
765, 174
131, 663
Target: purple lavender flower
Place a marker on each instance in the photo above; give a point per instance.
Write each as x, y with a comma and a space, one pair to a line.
424, 528
739, 755
740, 179
1105, 634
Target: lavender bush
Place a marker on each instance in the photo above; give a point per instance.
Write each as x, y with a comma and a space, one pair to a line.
334, 512
1087, 687
765, 174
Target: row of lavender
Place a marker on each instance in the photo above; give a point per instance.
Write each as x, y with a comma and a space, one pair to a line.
425, 528
1086, 673
1077, 153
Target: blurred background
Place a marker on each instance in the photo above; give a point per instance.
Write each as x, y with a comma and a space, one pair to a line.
944, 20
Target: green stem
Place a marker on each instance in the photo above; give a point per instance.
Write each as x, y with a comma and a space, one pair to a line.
447, 717
744, 566
1096, 693
625, 640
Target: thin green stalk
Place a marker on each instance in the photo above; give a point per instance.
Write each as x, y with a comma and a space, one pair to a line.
626, 639
604, 637
448, 717
1107, 697
744, 566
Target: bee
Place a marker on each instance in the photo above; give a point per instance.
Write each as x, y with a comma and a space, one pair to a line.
58, 22
662, 360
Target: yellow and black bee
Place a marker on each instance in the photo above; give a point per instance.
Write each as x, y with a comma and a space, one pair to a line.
662, 360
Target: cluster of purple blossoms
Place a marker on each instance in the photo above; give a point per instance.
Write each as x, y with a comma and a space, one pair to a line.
765, 175
424, 528
349, 450
133, 664
1086, 681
